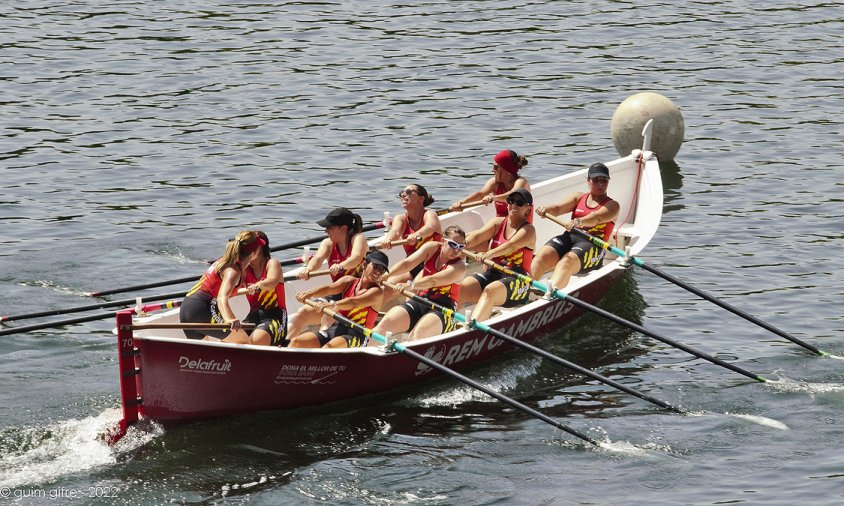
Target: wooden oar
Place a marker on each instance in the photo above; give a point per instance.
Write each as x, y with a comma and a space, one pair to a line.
554, 358
621, 321
465, 206
396, 346
700, 293
83, 319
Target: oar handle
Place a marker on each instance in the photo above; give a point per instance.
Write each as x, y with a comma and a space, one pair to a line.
463, 207
382, 245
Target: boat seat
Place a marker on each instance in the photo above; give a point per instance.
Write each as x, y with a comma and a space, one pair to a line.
624, 235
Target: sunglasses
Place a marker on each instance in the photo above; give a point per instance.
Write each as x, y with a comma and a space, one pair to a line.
378, 269
516, 202
407, 193
455, 245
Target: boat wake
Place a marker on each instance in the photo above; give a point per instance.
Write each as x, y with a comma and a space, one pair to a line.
33, 455
789, 385
761, 420
41, 283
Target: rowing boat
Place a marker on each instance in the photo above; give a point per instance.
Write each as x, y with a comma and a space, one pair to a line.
167, 378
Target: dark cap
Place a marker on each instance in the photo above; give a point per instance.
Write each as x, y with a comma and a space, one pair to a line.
524, 193
598, 170
379, 258
339, 216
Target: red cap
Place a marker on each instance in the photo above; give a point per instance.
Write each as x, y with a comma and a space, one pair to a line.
506, 161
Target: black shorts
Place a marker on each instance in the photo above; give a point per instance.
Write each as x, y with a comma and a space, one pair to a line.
517, 290
591, 256
416, 310
273, 322
201, 307
354, 337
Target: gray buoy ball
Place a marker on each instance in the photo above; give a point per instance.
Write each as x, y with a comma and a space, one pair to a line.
630, 117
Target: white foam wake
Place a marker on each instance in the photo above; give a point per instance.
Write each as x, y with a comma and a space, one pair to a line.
761, 420
789, 385
40, 454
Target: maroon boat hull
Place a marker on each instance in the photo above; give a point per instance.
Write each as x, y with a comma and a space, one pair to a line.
178, 379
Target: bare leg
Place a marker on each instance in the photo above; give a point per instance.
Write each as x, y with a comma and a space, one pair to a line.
470, 290
337, 342
566, 267
495, 294
304, 316
396, 320
237, 337
306, 340
544, 261
260, 337
429, 325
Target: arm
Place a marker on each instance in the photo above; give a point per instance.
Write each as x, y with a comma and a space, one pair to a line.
371, 297
565, 206
414, 259
395, 231
231, 278
454, 273
325, 290
275, 275
483, 234
359, 249
524, 237
519, 183
316, 260
472, 197
608, 212
430, 225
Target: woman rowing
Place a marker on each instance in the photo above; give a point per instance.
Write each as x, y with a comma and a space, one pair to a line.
505, 179
593, 212
510, 241
344, 248
356, 298
417, 226
264, 279
441, 270
208, 300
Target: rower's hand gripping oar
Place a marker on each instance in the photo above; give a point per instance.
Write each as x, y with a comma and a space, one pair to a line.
554, 358
700, 293
396, 346
621, 321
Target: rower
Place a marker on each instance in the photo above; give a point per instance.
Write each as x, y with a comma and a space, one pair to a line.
355, 298
344, 247
441, 269
505, 179
509, 241
594, 212
417, 226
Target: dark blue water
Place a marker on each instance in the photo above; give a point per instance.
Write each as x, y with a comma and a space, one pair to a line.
138, 136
